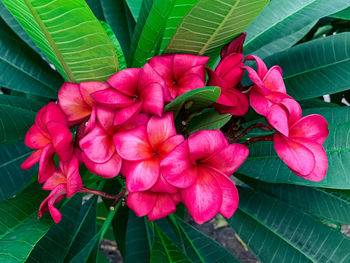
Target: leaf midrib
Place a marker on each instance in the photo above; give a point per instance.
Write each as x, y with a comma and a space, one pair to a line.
15, 159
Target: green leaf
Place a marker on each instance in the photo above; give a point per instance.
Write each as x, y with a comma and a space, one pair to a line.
119, 224
134, 7
282, 18
152, 32
20, 229
264, 164
333, 115
69, 35
22, 69
210, 24
96, 8
164, 250
12, 177
84, 253
138, 243
316, 201
208, 120
307, 235
316, 103
343, 14
315, 68
114, 13
194, 99
201, 248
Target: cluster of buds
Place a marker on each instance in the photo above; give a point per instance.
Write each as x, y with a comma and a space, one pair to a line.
122, 130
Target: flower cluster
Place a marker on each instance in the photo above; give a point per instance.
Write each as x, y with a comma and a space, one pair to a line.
121, 129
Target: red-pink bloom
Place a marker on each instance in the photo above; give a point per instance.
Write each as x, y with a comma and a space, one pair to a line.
65, 180
142, 150
154, 205
99, 153
268, 97
75, 99
49, 135
133, 91
302, 150
235, 46
228, 76
180, 72
201, 166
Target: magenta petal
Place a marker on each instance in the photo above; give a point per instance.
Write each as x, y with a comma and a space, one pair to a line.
259, 103
160, 129
139, 120
57, 178
87, 88
273, 80
184, 62
229, 194
313, 127
298, 157
277, 117
97, 145
153, 100
232, 101
105, 116
74, 183
125, 81
204, 198
141, 202
46, 164
141, 176
204, 143
31, 160
48, 204
50, 112
113, 98
162, 186
262, 69
164, 206
108, 169
36, 138
61, 139
235, 46
133, 145
125, 114
230, 62
228, 159
167, 146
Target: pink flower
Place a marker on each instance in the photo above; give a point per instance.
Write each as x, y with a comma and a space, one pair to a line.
154, 205
75, 99
65, 180
99, 152
268, 97
201, 166
302, 150
133, 91
49, 135
180, 72
228, 76
142, 150
235, 46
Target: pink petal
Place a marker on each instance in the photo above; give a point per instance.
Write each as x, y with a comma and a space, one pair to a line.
273, 80
232, 101
230, 66
72, 103
259, 84
36, 138
313, 127
297, 157
259, 103
235, 46
89, 125
139, 120
108, 169
153, 101
105, 116
57, 178
188, 82
277, 117
164, 206
204, 198
125, 81
204, 143
176, 198
160, 129
162, 186
141, 202
50, 112
61, 139
74, 183
87, 88
125, 114
133, 145
31, 160
113, 98
48, 204
97, 145
228, 159
141, 176
46, 164
167, 146
216, 80
262, 69
177, 169
229, 194
185, 62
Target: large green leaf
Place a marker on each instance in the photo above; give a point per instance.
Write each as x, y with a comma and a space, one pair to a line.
201, 248
20, 229
210, 24
343, 14
69, 35
194, 99
315, 68
96, 8
209, 120
282, 18
134, 7
12, 177
264, 164
22, 69
285, 225
164, 250
152, 32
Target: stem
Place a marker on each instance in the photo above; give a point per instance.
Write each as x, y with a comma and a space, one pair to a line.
102, 194
250, 128
260, 138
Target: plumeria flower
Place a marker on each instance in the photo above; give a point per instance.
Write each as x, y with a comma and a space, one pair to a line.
142, 150
180, 72
133, 91
235, 46
201, 167
49, 135
64, 181
302, 150
268, 97
154, 205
